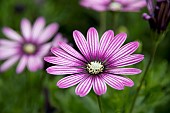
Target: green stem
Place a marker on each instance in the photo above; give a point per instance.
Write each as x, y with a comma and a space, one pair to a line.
99, 103
145, 73
102, 22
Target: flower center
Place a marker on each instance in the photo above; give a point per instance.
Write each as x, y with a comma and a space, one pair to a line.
29, 48
115, 6
95, 67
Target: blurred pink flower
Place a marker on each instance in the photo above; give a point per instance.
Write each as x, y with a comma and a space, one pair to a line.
98, 63
114, 5
57, 39
28, 48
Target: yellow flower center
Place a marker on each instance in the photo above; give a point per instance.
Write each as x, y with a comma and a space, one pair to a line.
95, 67
115, 6
29, 48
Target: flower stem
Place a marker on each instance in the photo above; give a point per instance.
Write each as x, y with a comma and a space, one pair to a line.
99, 103
102, 22
155, 46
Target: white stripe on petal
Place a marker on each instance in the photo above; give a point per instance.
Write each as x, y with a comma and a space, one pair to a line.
99, 86
84, 87
71, 80
125, 71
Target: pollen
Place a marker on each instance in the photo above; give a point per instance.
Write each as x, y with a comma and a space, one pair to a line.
29, 48
95, 67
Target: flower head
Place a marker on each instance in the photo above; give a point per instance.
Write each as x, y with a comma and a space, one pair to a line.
98, 63
114, 5
159, 14
29, 48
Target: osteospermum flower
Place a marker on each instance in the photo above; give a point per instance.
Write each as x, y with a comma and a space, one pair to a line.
28, 48
97, 64
114, 5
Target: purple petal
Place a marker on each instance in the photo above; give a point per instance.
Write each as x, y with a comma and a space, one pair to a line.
33, 63
26, 28
8, 43
37, 28
84, 87
22, 64
93, 42
112, 82
63, 54
105, 42
124, 51
99, 85
71, 80
81, 44
71, 51
61, 61
48, 33
126, 61
115, 44
124, 80
11, 34
61, 70
125, 71
44, 49
7, 52
8, 63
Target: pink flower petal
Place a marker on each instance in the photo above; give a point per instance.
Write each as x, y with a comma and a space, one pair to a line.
44, 49
125, 71
126, 61
61, 61
22, 64
112, 82
8, 43
84, 87
63, 54
71, 80
99, 85
48, 32
61, 70
105, 42
71, 51
8, 63
125, 50
7, 52
81, 44
33, 63
26, 28
124, 80
37, 28
115, 44
11, 34
93, 42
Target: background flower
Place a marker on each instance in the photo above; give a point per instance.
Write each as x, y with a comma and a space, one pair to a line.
28, 48
98, 64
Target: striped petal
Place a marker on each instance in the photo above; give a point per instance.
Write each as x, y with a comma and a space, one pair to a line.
63, 54
115, 45
84, 87
61, 70
48, 32
71, 51
124, 80
8, 63
71, 80
26, 28
61, 61
93, 42
11, 34
127, 61
99, 85
22, 64
112, 82
125, 71
37, 28
105, 42
81, 44
125, 50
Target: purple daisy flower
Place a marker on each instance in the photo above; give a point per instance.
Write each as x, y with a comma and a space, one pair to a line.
98, 64
29, 48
